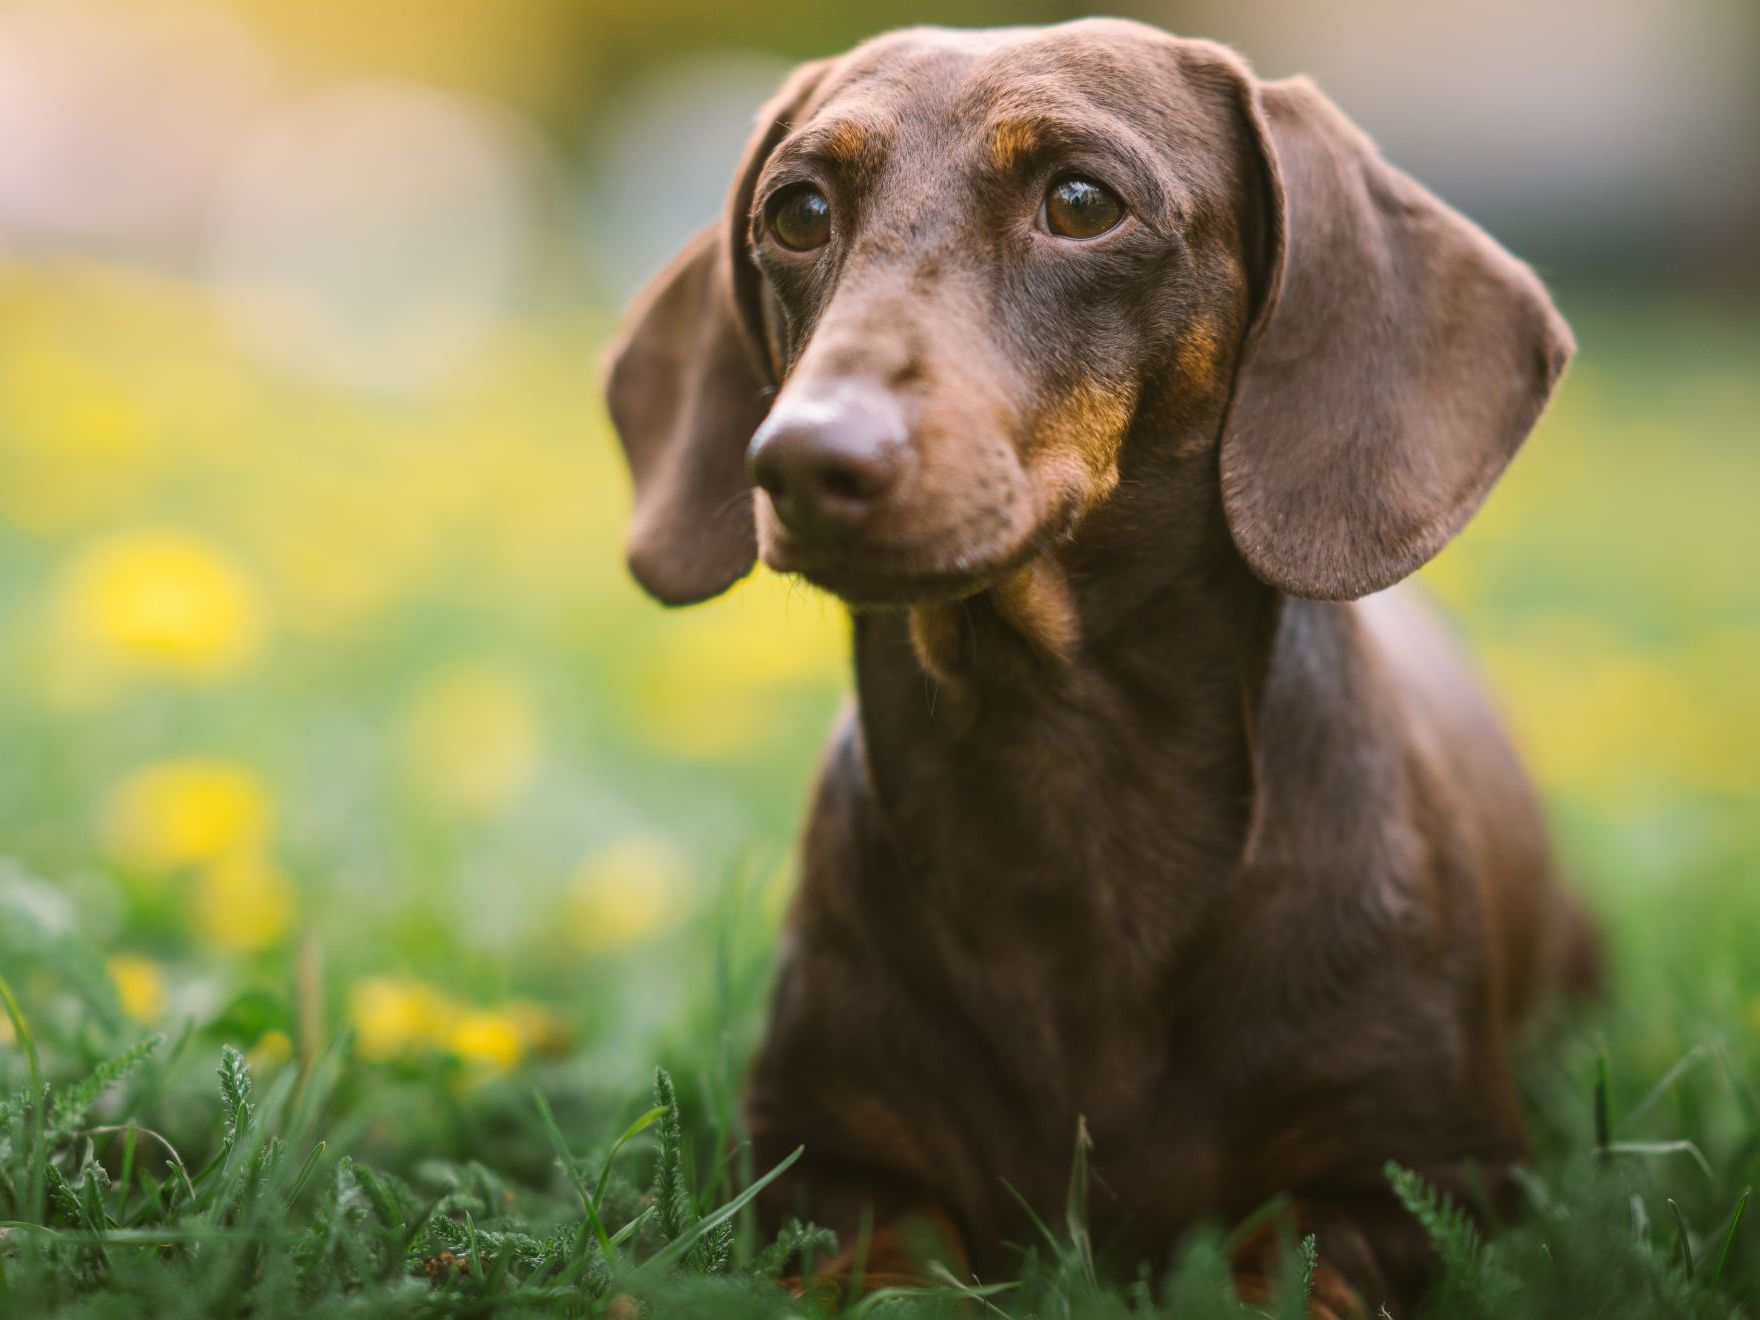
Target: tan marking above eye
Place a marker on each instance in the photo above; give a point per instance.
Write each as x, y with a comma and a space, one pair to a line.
1013, 141
851, 141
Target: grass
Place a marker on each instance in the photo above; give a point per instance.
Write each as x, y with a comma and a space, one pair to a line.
256, 1210
388, 920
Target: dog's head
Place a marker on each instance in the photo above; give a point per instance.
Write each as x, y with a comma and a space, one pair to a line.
962, 273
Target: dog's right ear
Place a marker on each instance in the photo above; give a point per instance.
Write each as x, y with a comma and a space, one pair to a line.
688, 381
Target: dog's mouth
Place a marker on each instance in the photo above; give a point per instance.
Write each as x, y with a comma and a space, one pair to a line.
870, 574
864, 588
878, 577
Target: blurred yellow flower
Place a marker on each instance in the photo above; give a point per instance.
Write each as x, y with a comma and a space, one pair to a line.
272, 1049
7, 1035
1602, 716
76, 446
470, 738
711, 692
628, 893
177, 813
140, 986
538, 1029
486, 1038
163, 600
1719, 668
395, 1015
242, 903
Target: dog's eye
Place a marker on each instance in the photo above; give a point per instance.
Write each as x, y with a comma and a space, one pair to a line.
1077, 207
800, 218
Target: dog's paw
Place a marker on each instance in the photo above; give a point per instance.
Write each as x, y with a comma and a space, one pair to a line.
1331, 1299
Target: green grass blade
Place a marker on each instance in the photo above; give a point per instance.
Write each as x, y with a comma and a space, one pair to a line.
675, 1250
1603, 1106
1045, 1232
304, 1176
630, 1229
1656, 1148
1683, 1239
126, 1176
1075, 1215
949, 1287
21, 1030
563, 1155
1242, 1233
1729, 1238
1654, 1095
634, 1130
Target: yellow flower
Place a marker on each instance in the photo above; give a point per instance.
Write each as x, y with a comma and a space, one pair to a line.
77, 445
162, 600
470, 739
490, 1039
242, 903
712, 692
394, 1015
140, 987
628, 893
272, 1049
177, 813
537, 1028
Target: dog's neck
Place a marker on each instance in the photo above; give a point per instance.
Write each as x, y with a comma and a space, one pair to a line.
1013, 767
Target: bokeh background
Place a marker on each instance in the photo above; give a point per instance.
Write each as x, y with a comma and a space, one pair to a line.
325, 702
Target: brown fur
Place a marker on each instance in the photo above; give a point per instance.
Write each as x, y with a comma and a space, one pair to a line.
1035, 601
1013, 142
1139, 820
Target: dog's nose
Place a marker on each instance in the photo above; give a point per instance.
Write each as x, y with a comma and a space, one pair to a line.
827, 464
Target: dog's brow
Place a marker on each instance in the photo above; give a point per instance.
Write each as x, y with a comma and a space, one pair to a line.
1015, 139
849, 142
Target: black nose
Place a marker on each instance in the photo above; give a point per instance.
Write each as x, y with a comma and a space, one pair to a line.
827, 465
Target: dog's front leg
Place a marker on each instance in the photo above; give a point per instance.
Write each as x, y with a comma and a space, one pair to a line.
1371, 1254
1330, 1299
901, 1252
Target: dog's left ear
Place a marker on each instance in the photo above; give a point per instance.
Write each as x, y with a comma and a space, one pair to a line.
688, 381
1398, 360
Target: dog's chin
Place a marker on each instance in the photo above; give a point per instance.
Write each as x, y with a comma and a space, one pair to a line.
893, 577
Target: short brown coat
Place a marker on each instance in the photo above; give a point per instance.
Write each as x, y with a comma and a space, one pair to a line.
1137, 819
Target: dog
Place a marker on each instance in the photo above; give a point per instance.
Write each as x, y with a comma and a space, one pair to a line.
1112, 387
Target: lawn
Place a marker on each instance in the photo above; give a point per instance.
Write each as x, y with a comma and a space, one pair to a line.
388, 887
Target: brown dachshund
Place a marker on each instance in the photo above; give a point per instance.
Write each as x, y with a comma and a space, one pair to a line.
1099, 377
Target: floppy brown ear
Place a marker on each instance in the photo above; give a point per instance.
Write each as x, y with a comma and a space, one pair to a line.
687, 382
1399, 359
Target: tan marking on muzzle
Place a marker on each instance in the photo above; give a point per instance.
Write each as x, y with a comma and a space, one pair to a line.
1087, 424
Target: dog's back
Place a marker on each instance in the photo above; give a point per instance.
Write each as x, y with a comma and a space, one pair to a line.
1540, 941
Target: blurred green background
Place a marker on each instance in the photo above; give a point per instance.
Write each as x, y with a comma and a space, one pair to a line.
325, 701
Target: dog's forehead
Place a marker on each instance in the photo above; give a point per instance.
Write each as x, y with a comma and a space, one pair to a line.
925, 76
